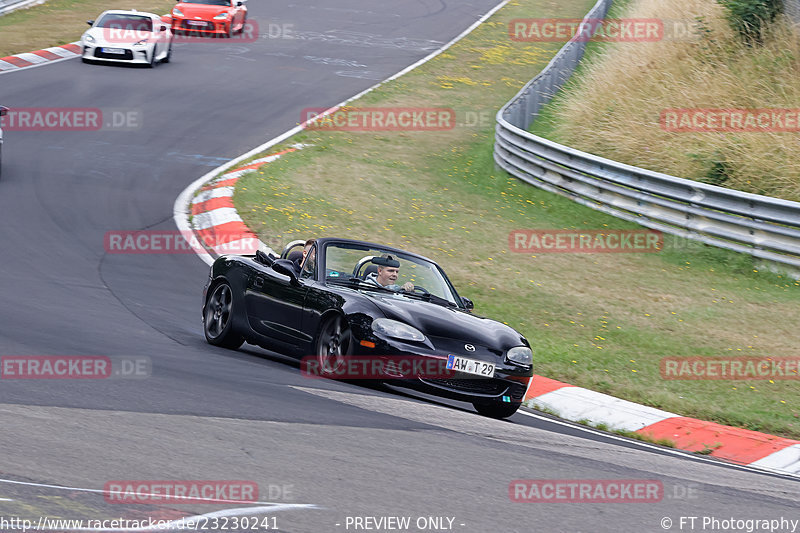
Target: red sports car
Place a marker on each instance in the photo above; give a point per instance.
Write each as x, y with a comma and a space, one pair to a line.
213, 17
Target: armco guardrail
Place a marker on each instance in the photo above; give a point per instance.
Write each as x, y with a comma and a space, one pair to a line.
764, 227
792, 9
6, 6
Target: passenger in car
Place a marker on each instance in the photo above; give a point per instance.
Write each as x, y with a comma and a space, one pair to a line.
298, 260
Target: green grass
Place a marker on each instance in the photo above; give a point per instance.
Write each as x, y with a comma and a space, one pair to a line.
59, 22
601, 321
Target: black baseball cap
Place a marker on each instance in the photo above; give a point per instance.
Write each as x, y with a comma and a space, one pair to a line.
386, 260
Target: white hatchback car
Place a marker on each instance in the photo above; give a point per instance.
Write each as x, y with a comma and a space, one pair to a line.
127, 37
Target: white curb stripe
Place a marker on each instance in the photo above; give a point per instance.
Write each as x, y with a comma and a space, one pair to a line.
39, 61
216, 217
32, 58
268, 159
575, 403
235, 175
785, 460
62, 52
219, 192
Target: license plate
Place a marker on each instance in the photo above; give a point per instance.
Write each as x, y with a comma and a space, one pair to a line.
470, 366
113, 50
196, 22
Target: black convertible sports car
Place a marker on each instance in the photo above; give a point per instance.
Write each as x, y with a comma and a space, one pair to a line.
332, 311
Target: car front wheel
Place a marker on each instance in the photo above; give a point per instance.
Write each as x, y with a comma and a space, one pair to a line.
332, 346
218, 318
496, 409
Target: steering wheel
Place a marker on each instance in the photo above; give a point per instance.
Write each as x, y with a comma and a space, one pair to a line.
421, 289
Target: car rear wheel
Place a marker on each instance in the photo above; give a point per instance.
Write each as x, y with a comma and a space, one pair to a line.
332, 346
218, 318
496, 409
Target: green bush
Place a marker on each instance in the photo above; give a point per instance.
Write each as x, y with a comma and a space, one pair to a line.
751, 17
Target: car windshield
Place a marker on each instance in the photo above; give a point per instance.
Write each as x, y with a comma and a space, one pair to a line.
118, 21
344, 261
208, 2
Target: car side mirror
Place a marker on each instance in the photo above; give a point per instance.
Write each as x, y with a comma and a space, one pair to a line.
90, 22
467, 303
3, 111
163, 28
285, 267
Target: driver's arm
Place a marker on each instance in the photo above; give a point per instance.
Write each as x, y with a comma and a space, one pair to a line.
407, 286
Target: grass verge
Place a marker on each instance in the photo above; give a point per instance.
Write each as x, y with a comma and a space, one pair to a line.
59, 22
601, 321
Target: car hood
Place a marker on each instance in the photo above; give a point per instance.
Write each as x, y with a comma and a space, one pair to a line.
204, 11
444, 322
104, 36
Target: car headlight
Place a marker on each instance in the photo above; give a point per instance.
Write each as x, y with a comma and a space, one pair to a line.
221, 16
177, 12
522, 355
89, 39
397, 330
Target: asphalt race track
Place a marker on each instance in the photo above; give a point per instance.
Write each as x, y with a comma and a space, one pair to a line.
204, 413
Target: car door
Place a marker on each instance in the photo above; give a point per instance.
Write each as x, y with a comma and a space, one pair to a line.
274, 305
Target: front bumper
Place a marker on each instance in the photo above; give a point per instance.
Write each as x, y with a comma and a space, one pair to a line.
509, 384
210, 27
138, 55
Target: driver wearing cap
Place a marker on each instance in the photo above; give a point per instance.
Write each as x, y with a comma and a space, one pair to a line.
388, 270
